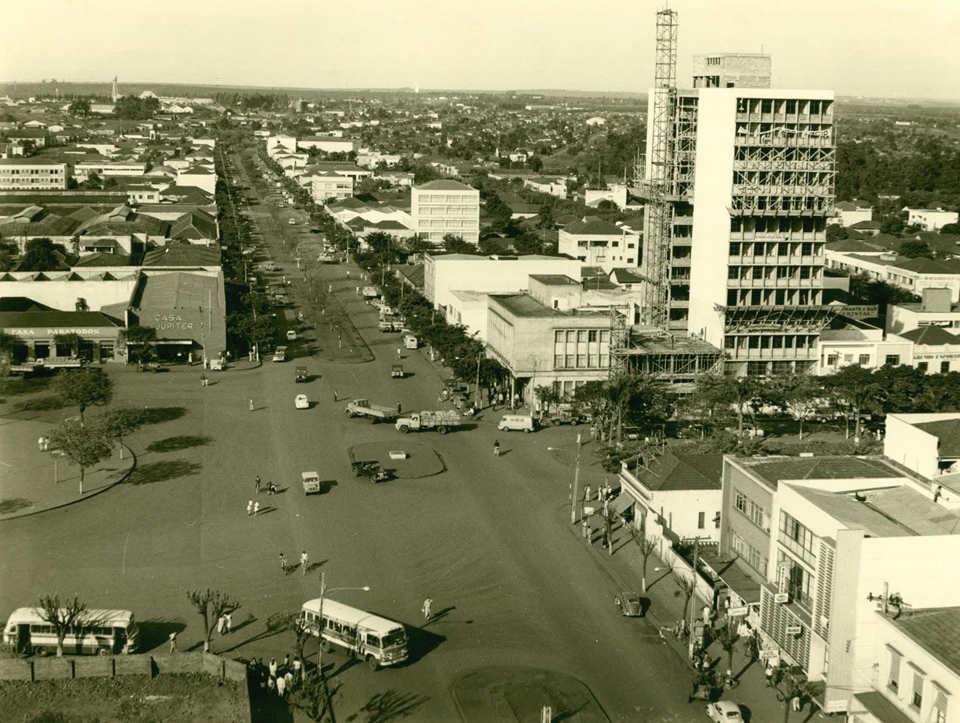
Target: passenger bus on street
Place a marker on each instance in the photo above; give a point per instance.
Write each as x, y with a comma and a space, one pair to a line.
97, 632
378, 641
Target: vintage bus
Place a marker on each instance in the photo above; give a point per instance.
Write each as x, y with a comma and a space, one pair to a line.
376, 640
97, 632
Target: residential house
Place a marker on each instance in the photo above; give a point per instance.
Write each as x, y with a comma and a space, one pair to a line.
852, 212
931, 219
936, 309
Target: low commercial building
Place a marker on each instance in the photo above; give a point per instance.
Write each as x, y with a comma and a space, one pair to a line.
37, 327
931, 219
852, 212
929, 444
328, 185
935, 350
936, 309
913, 275
845, 341
32, 174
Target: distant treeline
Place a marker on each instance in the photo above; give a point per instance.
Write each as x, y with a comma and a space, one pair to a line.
257, 101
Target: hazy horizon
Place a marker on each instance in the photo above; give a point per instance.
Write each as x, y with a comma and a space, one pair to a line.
892, 49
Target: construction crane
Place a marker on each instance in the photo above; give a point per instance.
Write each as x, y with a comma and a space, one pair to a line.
659, 184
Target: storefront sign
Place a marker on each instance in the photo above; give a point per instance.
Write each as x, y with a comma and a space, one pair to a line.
738, 612
171, 321
934, 357
860, 311
44, 333
769, 653
794, 629
781, 597
769, 237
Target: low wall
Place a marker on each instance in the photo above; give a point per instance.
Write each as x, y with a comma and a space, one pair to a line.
113, 666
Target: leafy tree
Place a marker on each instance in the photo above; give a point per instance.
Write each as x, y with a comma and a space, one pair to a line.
800, 395
915, 248
6, 260
83, 388
724, 393
84, 446
417, 245
549, 396
647, 546
80, 108
592, 398
40, 255
70, 340
93, 182
855, 391
211, 605
119, 422
138, 341
950, 229
535, 163
61, 615
728, 637
685, 589
497, 211
454, 244
836, 232
528, 243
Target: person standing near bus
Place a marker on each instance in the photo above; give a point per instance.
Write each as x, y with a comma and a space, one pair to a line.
426, 609
303, 562
173, 642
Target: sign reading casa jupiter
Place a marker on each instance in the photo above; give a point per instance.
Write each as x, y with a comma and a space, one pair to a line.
173, 322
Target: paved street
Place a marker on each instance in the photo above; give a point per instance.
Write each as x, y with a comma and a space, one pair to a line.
489, 540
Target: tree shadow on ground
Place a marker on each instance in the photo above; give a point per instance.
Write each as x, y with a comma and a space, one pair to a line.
388, 706
163, 471
30, 385
49, 403
158, 415
179, 443
14, 504
154, 632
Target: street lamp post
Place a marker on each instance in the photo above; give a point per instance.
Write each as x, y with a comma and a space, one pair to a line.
477, 393
323, 593
574, 493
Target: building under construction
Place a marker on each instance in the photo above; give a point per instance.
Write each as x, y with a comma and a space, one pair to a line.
739, 179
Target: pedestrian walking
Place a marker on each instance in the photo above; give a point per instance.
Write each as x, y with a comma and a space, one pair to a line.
336, 397
173, 642
399, 353
257, 485
228, 620
273, 667
348, 273
329, 288
303, 564
42, 443
256, 509
220, 624
203, 379
251, 405
297, 668
399, 408
426, 609
271, 490
588, 493
249, 507
768, 672
283, 562
358, 291
288, 679
271, 684
496, 448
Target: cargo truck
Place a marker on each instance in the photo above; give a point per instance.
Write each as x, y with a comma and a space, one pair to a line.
443, 421
376, 412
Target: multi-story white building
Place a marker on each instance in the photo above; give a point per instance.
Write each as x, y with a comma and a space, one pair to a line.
747, 250
596, 242
936, 309
327, 185
446, 207
931, 219
31, 174
913, 275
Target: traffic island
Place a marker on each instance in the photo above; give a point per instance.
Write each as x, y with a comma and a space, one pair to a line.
520, 694
34, 481
420, 460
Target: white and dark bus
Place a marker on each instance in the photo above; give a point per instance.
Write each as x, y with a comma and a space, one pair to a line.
376, 640
97, 632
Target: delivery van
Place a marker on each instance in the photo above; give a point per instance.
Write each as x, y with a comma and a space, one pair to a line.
516, 423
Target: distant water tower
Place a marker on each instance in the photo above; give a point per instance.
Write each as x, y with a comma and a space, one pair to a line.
417, 89
115, 93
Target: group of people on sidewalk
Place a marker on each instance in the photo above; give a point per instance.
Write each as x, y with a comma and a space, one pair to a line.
274, 677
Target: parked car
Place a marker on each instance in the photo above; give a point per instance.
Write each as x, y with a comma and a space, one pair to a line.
629, 604
291, 335
724, 711
516, 423
301, 402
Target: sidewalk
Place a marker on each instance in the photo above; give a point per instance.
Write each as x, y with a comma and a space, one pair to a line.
32, 481
664, 607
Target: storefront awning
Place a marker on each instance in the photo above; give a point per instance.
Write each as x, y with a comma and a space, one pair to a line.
881, 708
725, 567
185, 342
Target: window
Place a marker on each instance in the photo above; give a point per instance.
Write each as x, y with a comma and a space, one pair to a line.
893, 681
792, 578
892, 360
796, 538
944, 367
701, 520
716, 520
754, 512
940, 705
832, 359
917, 700
749, 554
922, 366
864, 360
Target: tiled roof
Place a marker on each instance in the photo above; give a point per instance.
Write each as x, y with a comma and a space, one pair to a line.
523, 305
626, 276
674, 471
924, 266
445, 185
194, 225
937, 630
797, 468
182, 254
948, 432
22, 303
177, 291
593, 226
852, 245
102, 259
554, 280
930, 335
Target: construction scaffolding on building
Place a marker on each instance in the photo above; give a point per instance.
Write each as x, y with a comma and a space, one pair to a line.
658, 187
673, 360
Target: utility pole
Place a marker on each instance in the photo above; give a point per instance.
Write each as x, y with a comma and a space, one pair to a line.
477, 393
693, 595
574, 499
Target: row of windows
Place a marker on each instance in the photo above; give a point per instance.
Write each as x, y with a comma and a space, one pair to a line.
449, 210
581, 361
938, 709
448, 223
780, 203
776, 225
581, 336
797, 538
72, 630
748, 553
793, 158
445, 198
753, 511
770, 341
794, 579
775, 250
782, 178
782, 106
31, 172
774, 297
770, 273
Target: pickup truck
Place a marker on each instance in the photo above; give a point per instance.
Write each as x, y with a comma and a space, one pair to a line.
443, 421
376, 412
371, 292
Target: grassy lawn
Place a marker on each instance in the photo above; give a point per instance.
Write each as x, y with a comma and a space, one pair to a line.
170, 698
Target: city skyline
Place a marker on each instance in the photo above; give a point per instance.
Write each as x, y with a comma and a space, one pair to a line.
855, 46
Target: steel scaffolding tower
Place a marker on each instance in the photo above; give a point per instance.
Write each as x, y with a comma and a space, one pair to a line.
659, 184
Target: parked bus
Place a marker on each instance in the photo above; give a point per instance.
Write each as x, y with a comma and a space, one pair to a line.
100, 632
377, 640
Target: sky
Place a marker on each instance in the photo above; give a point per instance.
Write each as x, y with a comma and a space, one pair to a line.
876, 48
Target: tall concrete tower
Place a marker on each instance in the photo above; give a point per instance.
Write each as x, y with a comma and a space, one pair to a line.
116, 93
